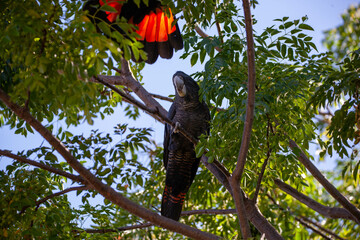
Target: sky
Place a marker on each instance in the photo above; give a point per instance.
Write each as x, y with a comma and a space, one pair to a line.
323, 15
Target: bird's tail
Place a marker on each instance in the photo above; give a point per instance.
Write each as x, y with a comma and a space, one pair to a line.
172, 204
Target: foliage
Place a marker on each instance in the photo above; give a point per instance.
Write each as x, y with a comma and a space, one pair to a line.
345, 38
21, 187
49, 50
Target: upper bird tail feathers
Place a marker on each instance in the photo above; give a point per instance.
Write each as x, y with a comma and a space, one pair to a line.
171, 205
156, 29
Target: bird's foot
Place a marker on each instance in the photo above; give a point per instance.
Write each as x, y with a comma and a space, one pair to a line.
177, 125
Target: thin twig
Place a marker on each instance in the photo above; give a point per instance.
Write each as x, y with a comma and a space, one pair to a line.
312, 228
119, 229
184, 213
75, 178
204, 35
264, 164
322, 228
79, 188
162, 97
219, 32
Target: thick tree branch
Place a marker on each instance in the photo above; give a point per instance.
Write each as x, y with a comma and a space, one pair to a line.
219, 171
260, 222
75, 178
329, 212
105, 190
250, 106
354, 211
118, 80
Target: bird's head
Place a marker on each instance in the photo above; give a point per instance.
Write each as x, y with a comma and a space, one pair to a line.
185, 86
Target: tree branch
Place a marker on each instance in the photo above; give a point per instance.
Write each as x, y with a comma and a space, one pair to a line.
75, 178
144, 225
322, 228
105, 190
129, 98
252, 212
329, 212
119, 229
219, 171
215, 167
302, 219
250, 106
204, 35
79, 188
264, 165
118, 80
354, 211
161, 97
312, 228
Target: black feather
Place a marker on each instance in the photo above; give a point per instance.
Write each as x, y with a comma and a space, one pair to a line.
135, 14
180, 159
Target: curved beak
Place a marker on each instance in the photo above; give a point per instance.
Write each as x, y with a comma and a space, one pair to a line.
179, 85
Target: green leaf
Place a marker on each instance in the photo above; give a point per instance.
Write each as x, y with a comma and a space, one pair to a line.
199, 151
283, 50
104, 27
194, 58
356, 171
306, 27
108, 8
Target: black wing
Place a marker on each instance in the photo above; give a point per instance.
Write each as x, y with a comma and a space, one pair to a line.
167, 134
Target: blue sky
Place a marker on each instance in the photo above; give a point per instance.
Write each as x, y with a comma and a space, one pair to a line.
322, 14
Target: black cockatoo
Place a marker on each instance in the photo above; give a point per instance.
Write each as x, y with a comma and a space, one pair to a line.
158, 33
180, 160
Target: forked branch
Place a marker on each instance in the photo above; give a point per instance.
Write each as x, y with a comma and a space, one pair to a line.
354, 211
329, 212
105, 190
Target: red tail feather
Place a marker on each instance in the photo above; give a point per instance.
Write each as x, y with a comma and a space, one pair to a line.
171, 205
156, 29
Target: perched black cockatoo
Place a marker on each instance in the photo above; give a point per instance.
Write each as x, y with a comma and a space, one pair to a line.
158, 33
180, 160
